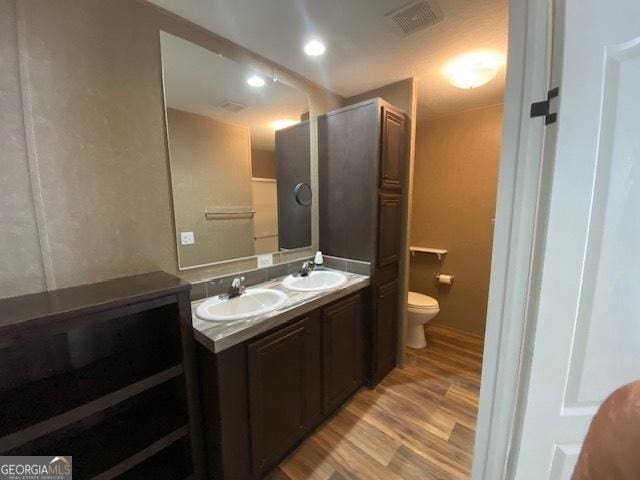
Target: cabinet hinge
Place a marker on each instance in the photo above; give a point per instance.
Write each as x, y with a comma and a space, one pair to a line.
543, 109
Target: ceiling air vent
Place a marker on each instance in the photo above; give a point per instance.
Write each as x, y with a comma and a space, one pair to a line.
230, 106
414, 17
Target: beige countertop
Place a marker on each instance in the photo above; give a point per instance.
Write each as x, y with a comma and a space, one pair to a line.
218, 336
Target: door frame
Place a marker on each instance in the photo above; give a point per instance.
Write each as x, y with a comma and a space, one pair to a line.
519, 231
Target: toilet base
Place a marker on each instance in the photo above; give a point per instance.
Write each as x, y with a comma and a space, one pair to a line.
416, 337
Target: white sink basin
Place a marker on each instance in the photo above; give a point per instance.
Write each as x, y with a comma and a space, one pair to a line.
316, 281
255, 301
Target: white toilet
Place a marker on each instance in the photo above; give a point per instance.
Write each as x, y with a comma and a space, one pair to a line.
420, 310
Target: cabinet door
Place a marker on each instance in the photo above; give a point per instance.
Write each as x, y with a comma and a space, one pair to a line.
389, 228
386, 329
391, 150
293, 153
343, 361
278, 385
348, 183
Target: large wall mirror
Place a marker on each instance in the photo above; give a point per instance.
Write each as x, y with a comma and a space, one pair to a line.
239, 153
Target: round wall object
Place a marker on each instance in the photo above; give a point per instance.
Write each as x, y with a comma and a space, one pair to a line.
303, 194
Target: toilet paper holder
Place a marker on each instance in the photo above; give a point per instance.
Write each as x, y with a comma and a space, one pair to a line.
445, 279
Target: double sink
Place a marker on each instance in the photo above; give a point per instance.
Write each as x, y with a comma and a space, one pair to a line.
258, 301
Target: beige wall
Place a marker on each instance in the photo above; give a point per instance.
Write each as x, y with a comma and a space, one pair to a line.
454, 199
400, 94
263, 163
20, 259
210, 168
93, 193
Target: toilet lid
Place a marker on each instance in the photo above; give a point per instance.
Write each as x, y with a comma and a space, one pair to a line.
418, 300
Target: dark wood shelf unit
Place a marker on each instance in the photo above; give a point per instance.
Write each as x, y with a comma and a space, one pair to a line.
111, 436
362, 170
103, 372
57, 383
171, 463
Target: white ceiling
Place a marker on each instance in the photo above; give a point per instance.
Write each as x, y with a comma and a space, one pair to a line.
363, 52
197, 80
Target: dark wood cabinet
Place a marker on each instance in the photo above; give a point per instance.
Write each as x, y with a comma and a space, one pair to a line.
392, 148
390, 223
386, 331
347, 149
362, 169
262, 397
343, 344
105, 373
278, 380
293, 155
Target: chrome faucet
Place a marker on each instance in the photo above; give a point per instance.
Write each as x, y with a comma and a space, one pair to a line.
237, 287
306, 269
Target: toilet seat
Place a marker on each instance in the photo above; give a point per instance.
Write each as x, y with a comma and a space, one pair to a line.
418, 301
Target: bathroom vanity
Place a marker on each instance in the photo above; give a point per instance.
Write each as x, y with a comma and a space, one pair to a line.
268, 381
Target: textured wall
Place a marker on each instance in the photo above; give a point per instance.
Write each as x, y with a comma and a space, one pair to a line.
21, 268
98, 122
453, 206
210, 168
91, 74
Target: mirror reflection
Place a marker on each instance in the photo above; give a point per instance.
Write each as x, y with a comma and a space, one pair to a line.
239, 153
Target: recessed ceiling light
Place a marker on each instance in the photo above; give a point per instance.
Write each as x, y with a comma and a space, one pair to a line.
314, 48
255, 81
283, 123
473, 69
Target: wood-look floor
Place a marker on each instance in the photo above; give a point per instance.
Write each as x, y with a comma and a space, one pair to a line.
419, 423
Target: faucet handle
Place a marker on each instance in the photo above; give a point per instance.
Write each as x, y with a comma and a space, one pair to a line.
305, 269
237, 287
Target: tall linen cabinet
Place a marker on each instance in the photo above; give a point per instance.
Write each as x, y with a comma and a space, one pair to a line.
362, 166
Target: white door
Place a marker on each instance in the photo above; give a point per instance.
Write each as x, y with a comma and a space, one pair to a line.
587, 325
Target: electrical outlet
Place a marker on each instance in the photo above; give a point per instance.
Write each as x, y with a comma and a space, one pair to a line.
186, 238
265, 260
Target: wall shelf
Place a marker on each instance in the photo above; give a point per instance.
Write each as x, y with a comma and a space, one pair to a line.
440, 252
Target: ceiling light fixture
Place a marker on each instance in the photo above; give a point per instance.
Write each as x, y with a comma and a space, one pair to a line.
474, 69
256, 81
282, 123
314, 48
